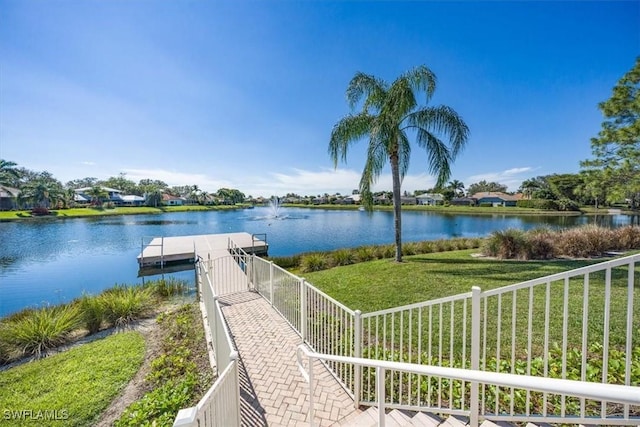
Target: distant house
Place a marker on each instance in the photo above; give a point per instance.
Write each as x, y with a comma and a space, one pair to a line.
463, 201
169, 200
407, 200
430, 199
132, 200
352, 199
496, 198
113, 194
8, 198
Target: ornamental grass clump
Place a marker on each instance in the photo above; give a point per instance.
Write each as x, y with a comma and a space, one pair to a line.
124, 304
39, 331
313, 262
541, 244
342, 257
165, 288
627, 237
365, 253
507, 244
586, 241
93, 312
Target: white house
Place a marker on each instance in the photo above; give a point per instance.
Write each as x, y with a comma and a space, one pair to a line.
430, 199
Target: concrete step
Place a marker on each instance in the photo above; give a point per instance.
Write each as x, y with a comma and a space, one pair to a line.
401, 418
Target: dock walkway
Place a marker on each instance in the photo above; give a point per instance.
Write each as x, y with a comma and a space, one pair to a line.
162, 250
273, 391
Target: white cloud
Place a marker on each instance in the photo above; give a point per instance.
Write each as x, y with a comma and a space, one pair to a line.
343, 181
299, 181
178, 178
512, 178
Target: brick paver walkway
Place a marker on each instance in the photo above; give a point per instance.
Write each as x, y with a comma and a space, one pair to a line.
273, 392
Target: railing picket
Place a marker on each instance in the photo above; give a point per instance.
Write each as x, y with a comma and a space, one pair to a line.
629, 336
585, 328
605, 344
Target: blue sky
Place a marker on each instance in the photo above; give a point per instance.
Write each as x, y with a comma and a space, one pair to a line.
244, 94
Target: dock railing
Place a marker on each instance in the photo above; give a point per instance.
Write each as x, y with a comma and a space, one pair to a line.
220, 406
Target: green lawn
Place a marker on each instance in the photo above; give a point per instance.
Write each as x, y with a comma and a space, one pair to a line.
381, 284
84, 212
75, 386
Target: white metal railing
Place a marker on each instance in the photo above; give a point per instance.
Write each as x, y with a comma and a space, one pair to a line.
322, 322
612, 392
514, 329
220, 406
436, 332
506, 330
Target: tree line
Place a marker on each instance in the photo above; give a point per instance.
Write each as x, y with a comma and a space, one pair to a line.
42, 190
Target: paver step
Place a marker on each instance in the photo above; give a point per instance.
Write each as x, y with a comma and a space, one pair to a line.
401, 418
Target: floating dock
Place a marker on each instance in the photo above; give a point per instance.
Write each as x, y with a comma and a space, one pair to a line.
161, 251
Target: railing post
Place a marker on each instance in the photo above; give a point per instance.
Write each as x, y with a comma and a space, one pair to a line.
234, 356
474, 404
357, 350
380, 391
311, 409
186, 417
303, 309
271, 282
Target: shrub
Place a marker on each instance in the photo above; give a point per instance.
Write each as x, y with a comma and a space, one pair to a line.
342, 257
92, 310
627, 237
124, 304
586, 241
287, 261
40, 331
507, 244
541, 244
410, 248
313, 262
425, 247
365, 253
165, 288
40, 211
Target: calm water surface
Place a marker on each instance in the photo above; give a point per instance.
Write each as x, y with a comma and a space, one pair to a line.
53, 261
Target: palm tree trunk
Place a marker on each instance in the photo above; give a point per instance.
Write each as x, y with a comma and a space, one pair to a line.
397, 203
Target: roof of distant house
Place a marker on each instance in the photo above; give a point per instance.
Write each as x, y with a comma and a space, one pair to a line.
85, 189
166, 196
497, 194
8, 191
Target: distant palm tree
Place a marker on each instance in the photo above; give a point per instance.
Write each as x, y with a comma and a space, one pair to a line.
97, 194
457, 187
40, 192
9, 175
388, 113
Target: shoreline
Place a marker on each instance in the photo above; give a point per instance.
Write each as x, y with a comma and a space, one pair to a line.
86, 212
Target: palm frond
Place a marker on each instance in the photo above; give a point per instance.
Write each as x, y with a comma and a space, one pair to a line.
444, 121
438, 156
404, 154
347, 131
370, 87
400, 101
421, 78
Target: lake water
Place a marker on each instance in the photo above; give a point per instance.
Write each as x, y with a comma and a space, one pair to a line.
52, 261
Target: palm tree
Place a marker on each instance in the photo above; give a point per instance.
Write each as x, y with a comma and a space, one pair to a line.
457, 187
389, 113
97, 194
9, 175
